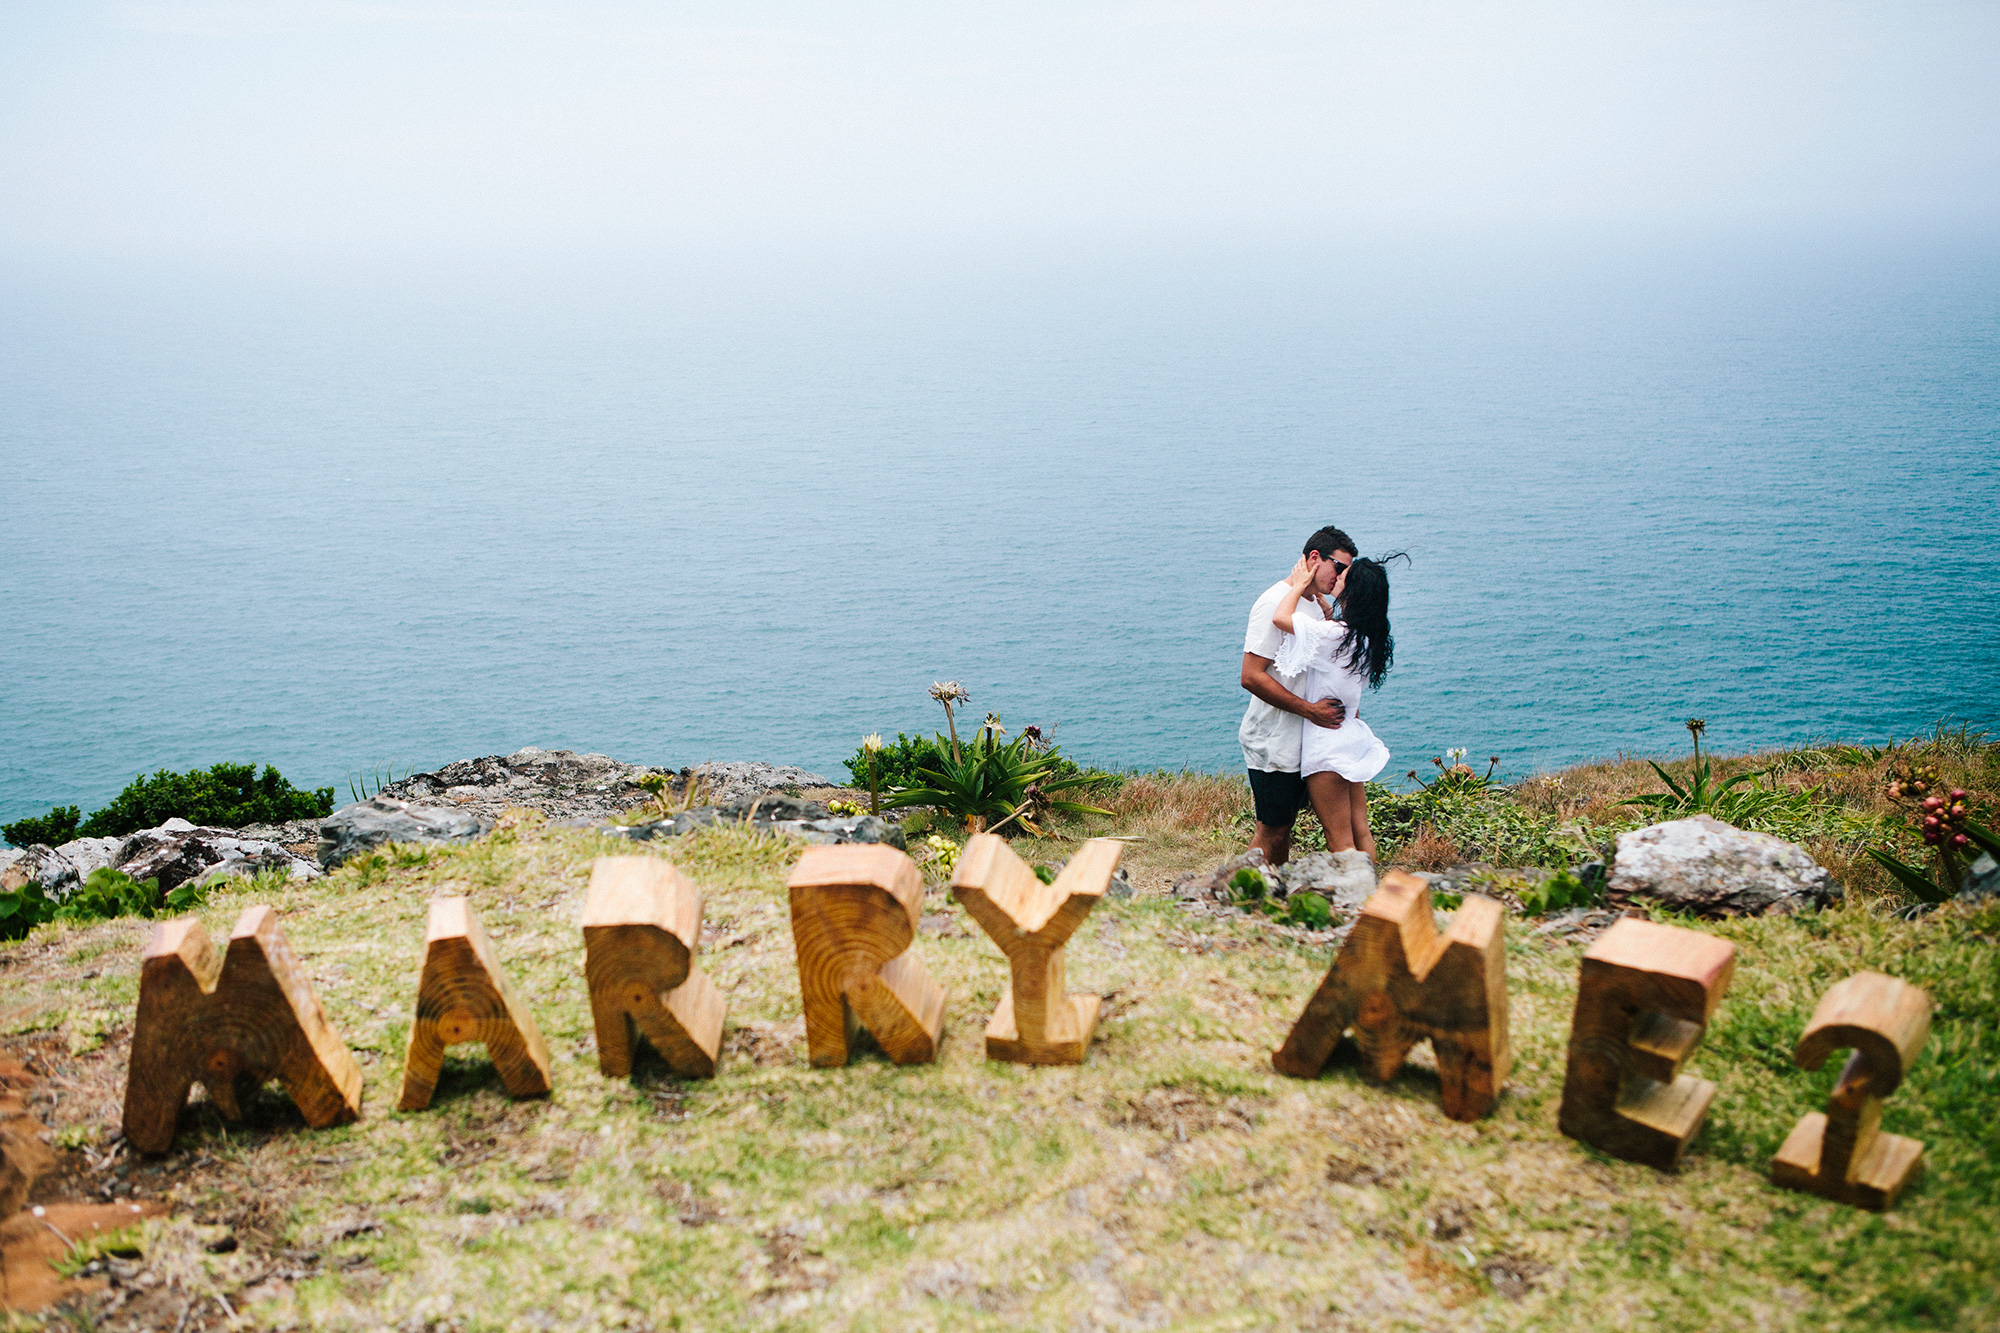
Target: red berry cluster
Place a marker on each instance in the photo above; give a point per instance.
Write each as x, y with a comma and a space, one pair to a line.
1944, 819
1911, 782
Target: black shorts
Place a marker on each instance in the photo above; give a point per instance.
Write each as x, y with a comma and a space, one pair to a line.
1279, 797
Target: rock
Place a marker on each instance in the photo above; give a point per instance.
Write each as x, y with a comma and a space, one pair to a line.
88, 854
1982, 881
562, 784
178, 852
41, 865
59, 870
775, 814
1345, 879
723, 783
1120, 886
1704, 866
354, 829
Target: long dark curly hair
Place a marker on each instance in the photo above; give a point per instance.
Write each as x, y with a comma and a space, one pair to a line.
1364, 609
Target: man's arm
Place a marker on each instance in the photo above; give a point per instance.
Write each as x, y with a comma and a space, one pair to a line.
1257, 679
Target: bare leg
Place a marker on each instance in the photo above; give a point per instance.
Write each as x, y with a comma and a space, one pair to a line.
1275, 843
1357, 805
1329, 792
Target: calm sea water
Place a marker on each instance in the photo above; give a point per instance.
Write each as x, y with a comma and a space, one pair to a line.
336, 521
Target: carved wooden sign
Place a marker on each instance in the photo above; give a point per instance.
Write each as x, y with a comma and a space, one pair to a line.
1843, 1154
1037, 1022
1645, 996
854, 913
641, 929
464, 996
1397, 981
232, 1023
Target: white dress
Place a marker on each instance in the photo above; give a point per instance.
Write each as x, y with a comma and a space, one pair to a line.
1351, 749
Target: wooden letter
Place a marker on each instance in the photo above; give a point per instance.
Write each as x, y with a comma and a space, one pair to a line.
1037, 1022
232, 1024
1642, 1002
854, 912
1844, 1155
464, 996
1397, 981
641, 928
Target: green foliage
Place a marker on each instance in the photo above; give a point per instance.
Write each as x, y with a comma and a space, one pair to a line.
53, 829
1945, 885
226, 796
1248, 885
997, 784
1309, 910
1482, 819
382, 775
900, 763
107, 893
1559, 892
1046, 874
1742, 800
123, 1243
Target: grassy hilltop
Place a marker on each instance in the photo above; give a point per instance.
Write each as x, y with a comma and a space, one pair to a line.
1172, 1181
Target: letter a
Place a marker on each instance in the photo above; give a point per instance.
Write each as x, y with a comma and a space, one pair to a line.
464, 996
854, 913
233, 1025
1397, 981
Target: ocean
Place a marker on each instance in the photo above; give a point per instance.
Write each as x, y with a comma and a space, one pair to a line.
336, 519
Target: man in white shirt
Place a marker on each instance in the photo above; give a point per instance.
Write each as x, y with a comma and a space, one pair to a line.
1274, 723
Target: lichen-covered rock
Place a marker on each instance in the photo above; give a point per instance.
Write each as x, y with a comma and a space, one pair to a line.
728, 782
1345, 879
177, 852
354, 829
1708, 868
776, 814
562, 784
41, 865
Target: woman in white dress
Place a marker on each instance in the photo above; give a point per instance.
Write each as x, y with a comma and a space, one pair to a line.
1341, 658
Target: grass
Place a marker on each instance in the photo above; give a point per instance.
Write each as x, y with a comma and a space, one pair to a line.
1171, 1181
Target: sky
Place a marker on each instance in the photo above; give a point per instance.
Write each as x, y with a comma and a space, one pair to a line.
165, 130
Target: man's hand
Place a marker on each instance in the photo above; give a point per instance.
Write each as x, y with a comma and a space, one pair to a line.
1328, 713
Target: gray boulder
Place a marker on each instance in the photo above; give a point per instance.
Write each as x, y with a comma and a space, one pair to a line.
354, 829
1345, 879
1982, 881
1708, 868
178, 852
59, 870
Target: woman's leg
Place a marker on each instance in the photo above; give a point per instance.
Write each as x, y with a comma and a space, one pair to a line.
1329, 798
1357, 805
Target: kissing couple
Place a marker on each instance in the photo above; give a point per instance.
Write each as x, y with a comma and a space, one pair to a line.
1302, 734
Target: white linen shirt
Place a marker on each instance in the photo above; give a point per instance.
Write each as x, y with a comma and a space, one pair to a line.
1270, 736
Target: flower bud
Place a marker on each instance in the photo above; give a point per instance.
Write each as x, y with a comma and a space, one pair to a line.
1933, 804
1960, 840
1931, 822
1959, 793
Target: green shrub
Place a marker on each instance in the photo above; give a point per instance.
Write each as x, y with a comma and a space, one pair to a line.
1309, 910
1483, 820
107, 893
1559, 892
227, 796
53, 829
901, 763
998, 785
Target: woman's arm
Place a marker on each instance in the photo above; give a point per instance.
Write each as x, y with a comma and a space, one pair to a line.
1282, 616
